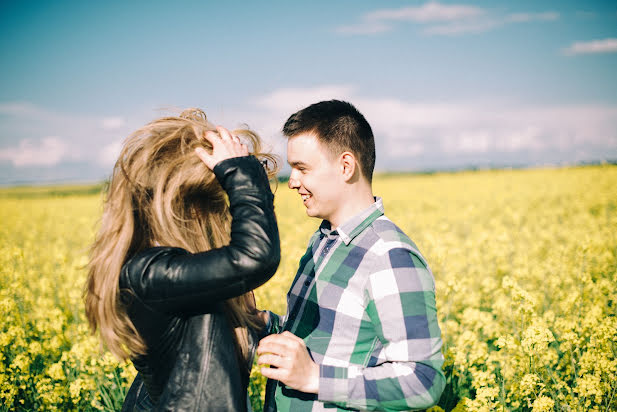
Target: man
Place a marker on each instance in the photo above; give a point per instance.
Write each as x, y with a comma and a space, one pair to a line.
361, 329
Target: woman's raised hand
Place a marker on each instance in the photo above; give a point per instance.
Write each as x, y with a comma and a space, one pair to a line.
224, 146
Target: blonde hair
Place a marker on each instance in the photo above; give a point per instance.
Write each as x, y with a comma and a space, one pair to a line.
161, 193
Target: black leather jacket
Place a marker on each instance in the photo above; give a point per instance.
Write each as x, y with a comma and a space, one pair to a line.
174, 299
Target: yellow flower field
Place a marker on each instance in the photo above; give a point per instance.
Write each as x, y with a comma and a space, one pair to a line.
525, 263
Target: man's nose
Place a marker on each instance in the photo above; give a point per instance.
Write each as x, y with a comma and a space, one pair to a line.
292, 183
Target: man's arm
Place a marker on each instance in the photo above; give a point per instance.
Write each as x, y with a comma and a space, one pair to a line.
408, 375
401, 306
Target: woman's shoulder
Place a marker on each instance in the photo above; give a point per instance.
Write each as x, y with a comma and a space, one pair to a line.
135, 266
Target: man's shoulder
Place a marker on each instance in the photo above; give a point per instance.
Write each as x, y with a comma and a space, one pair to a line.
389, 232
387, 239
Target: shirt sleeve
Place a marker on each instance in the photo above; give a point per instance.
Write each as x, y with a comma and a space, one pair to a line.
407, 372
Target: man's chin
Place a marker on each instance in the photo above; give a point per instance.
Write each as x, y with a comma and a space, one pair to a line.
312, 213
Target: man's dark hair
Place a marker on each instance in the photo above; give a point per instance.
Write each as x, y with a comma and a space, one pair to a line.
340, 127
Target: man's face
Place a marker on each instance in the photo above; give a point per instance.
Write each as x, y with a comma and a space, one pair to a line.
315, 174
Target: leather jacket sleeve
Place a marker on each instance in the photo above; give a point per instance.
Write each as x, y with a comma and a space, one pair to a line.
174, 281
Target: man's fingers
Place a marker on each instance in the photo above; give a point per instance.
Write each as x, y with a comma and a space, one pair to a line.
269, 339
278, 343
293, 337
291, 341
272, 360
290, 362
272, 347
276, 374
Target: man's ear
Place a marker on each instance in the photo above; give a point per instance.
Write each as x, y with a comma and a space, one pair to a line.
348, 165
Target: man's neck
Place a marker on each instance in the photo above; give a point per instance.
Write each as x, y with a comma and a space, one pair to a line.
353, 203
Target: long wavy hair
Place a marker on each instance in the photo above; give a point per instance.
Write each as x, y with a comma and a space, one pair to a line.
162, 194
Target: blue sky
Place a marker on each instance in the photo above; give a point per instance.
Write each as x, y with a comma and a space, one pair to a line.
444, 84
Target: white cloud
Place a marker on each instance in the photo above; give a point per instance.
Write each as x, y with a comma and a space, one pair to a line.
92, 139
380, 21
467, 141
113, 123
529, 17
441, 19
591, 47
529, 137
49, 151
402, 148
109, 154
288, 100
407, 130
486, 23
458, 28
409, 133
428, 13
18, 108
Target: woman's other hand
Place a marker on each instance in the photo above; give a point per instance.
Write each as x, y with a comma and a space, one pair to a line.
224, 146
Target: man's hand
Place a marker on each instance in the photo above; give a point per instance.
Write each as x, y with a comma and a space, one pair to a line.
288, 353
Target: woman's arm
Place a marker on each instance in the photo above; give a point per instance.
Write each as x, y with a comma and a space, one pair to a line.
173, 280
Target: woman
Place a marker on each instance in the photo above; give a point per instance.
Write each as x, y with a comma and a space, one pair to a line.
174, 264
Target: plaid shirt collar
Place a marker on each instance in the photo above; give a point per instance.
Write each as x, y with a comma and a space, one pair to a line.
355, 225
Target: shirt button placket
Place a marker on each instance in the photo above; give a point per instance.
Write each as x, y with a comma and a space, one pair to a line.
327, 247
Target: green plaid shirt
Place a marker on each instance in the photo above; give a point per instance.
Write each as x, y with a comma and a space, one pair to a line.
363, 300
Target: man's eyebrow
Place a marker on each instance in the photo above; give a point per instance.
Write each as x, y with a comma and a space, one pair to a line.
296, 163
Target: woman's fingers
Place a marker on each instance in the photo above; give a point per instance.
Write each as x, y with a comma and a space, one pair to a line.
224, 133
242, 149
212, 137
227, 136
205, 157
224, 146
